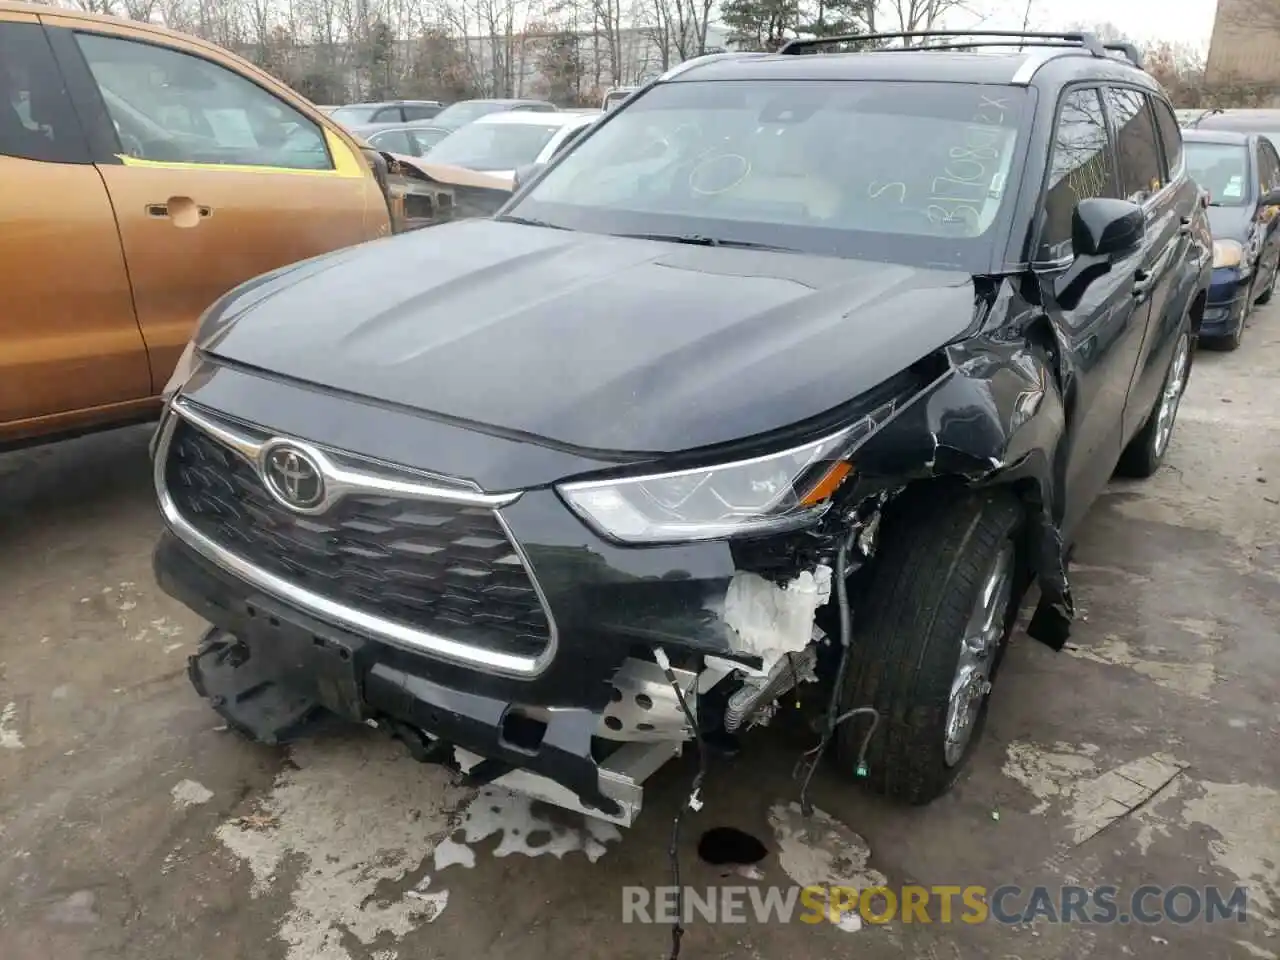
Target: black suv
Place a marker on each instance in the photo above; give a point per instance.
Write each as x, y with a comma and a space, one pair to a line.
796, 371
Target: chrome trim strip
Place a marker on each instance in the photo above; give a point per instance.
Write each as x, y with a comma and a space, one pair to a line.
378, 628
338, 480
1035, 60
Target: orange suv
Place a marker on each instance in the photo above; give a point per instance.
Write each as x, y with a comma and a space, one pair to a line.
143, 174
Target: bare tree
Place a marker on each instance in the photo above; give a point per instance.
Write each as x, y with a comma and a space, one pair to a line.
911, 15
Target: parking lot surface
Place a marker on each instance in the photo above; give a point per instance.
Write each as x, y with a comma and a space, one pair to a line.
132, 825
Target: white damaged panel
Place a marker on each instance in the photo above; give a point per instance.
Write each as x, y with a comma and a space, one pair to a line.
772, 621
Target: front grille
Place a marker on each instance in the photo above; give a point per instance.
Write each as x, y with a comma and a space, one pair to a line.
440, 567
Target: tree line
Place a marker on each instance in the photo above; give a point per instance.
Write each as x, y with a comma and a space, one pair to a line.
567, 51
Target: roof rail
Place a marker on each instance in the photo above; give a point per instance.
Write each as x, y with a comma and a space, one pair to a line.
1009, 38
1207, 113
692, 62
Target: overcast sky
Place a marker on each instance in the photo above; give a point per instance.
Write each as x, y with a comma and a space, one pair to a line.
1179, 21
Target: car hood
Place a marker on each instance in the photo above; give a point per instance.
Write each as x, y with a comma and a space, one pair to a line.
593, 342
1230, 223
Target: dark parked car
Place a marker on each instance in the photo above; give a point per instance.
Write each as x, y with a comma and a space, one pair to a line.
792, 372
1264, 122
464, 111
385, 112
1241, 174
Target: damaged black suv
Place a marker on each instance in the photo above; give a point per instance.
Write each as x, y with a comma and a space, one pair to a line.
796, 371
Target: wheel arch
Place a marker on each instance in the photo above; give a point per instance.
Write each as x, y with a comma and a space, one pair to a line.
995, 419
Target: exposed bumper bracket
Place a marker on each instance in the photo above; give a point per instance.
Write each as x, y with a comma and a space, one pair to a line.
622, 777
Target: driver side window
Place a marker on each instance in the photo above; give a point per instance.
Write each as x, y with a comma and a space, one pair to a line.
1082, 166
171, 106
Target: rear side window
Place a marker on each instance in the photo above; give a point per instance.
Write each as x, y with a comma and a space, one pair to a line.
393, 141
171, 106
420, 111
37, 121
1170, 135
1137, 144
1082, 166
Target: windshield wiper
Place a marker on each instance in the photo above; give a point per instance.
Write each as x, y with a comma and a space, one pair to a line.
701, 240
530, 222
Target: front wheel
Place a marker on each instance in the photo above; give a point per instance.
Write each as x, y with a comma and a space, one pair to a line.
1265, 296
928, 638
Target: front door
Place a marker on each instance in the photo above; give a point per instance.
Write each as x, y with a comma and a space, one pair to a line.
214, 177
70, 348
1100, 312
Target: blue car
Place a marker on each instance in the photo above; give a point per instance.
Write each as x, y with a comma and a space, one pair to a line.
1240, 172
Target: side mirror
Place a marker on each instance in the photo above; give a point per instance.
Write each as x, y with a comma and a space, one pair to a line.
1270, 199
1106, 227
524, 174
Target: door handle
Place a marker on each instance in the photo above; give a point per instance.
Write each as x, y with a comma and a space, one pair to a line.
1184, 226
183, 211
1143, 281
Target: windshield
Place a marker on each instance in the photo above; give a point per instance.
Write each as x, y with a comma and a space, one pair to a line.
353, 115
1222, 169
467, 111
493, 146
904, 172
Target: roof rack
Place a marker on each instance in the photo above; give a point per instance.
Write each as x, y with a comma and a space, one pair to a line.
1007, 38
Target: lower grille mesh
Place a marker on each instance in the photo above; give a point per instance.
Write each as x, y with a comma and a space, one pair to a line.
440, 567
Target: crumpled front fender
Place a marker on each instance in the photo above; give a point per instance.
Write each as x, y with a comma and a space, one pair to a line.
995, 416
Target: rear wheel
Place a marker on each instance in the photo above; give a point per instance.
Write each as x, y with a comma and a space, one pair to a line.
929, 635
1146, 451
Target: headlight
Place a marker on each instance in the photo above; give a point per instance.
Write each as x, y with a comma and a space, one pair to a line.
768, 494
186, 366
1227, 253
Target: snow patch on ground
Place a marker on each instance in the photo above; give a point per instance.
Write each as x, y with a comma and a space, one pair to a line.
355, 815
10, 739
1048, 774
1247, 821
1090, 800
820, 851
187, 793
1193, 678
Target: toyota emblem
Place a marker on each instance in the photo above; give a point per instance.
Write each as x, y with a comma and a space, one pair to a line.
293, 477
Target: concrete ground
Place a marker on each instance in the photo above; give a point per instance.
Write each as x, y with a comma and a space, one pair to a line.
132, 826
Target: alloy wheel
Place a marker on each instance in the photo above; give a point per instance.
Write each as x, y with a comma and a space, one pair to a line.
1171, 395
983, 635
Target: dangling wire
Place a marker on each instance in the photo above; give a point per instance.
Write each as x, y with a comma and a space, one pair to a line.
694, 801
834, 720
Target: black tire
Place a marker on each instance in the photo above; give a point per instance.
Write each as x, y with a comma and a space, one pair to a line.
933, 562
1146, 451
1271, 286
